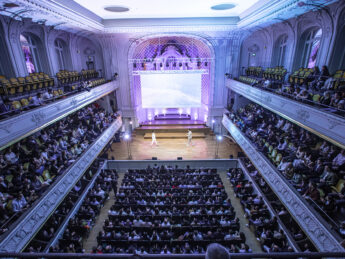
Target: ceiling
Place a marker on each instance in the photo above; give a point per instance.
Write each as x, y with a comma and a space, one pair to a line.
157, 16
166, 8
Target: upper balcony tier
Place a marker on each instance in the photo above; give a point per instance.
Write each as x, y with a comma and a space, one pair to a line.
324, 124
18, 127
313, 225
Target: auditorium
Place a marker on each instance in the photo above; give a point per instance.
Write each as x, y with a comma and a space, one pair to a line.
172, 129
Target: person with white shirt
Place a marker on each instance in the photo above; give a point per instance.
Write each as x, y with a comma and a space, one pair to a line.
154, 140
36, 100
47, 95
189, 137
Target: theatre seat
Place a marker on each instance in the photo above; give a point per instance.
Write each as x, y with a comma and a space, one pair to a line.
339, 186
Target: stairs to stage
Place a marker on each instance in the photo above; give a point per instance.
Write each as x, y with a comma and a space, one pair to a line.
173, 128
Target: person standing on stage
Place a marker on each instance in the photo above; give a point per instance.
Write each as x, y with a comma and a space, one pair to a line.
154, 140
189, 136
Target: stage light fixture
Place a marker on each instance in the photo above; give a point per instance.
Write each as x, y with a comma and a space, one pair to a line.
213, 121
219, 137
127, 136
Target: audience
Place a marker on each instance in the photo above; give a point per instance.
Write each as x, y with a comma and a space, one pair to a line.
318, 88
313, 166
30, 166
168, 210
80, 225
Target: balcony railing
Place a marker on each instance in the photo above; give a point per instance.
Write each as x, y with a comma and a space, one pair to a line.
324, 124
30, 222
23, 125
304, 215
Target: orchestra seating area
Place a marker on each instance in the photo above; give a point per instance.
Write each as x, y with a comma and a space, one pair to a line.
308, 85
168, 210
31, 165
315, 167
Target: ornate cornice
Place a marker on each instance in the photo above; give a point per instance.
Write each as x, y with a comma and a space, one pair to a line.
324, 124
298, 208
276, 11
23, 125
56, 14
30, 223
170, 29
71, 17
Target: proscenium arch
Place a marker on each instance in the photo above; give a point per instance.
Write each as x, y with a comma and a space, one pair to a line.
135, 43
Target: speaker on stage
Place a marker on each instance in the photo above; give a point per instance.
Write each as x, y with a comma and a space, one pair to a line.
179, 158
154, 158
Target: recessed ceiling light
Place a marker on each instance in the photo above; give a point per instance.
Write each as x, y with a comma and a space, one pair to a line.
116, 9
221, 7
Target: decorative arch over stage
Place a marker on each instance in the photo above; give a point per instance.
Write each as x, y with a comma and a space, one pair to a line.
175, 54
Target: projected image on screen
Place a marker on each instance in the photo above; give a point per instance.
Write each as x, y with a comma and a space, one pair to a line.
163, 90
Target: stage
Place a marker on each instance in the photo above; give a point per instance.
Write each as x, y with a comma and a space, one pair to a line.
172, 142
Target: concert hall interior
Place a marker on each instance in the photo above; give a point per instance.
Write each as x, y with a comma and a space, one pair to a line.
172, 129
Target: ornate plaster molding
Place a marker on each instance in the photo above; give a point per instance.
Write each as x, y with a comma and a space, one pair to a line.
170, 29
23, 125
298, 208
277, 10
58, 15
323, 124
31, 222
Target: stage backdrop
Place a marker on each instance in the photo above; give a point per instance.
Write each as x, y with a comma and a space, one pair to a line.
170, 89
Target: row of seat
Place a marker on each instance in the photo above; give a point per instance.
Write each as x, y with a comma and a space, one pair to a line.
248, 80
253, 71
21, 85
87, 74
24, 102
67, 77
300, 75
276, 73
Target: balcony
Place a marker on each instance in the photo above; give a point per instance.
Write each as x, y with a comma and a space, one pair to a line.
29, 223
24, 124
326, 125
312, 224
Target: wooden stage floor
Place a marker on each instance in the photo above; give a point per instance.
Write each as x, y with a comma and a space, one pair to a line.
170, 149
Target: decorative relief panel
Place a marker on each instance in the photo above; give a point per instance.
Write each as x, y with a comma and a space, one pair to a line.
32, 221
18, 127
324, 124
311, 224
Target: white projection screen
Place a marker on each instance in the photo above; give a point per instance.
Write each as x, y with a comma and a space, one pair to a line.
171, 89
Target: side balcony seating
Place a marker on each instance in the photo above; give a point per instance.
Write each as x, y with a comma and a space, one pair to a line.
24, 85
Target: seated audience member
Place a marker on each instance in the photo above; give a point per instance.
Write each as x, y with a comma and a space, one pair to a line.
36, 100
